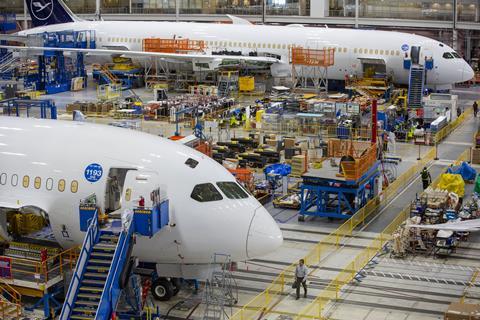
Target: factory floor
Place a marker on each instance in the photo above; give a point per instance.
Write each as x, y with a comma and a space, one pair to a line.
416, 287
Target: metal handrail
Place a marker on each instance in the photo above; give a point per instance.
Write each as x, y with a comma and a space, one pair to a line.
89, 240
6, 57
10, 291
122, 252
115, 266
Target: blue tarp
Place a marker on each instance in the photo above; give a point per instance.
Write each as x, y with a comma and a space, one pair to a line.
465, 170
278, 168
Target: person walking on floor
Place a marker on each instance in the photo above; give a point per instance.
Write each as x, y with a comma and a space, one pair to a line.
426, 178
475, 108
301, 272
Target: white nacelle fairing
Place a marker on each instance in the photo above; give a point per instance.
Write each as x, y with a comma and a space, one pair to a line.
62, 150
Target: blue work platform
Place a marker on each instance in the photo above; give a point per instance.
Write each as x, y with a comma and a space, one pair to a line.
54, 74
336, 197
15, 107
105, 262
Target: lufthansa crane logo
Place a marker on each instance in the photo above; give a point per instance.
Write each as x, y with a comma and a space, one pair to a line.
42, 10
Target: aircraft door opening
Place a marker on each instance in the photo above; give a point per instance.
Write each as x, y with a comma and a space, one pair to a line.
141, 189
415, 54
114, 188
373, 68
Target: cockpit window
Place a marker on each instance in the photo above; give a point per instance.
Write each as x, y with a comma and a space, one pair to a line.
447, 55
206, 192
232, 190
456, 55
191, 163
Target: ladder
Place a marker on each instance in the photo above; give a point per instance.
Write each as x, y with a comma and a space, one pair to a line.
108, 76
221, 291
10, 302
415, 88
8, 62
94, 290
134, 95
223, 88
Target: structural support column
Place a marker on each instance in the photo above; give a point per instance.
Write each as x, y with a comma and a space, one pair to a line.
177, 10
374, 121
97, 9
477, 13
264, 11
454, 31
468, 45
25, 21
357, 3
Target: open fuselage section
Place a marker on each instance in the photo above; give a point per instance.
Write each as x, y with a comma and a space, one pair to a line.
352, 47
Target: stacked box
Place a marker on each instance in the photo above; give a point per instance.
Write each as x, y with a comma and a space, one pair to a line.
289, 143
298, 165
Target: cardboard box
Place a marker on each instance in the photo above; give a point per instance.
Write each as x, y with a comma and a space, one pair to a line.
289, 143
462, 311
475, 156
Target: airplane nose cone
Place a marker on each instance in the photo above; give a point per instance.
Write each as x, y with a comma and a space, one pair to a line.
468, 73
264, 235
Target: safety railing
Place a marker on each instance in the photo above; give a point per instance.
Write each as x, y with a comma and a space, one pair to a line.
109, 299
444, 132
312, 57
264, 301
341, 147
464, 156
471, 284
296, 128
333, 289
354, 170
10, 300
10, 310
172, 45
87, 246
40, 272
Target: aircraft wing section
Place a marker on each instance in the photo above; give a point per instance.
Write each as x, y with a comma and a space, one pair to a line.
131, 54
468, 225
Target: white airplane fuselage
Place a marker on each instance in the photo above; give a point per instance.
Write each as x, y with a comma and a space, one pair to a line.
37, 155
350, 45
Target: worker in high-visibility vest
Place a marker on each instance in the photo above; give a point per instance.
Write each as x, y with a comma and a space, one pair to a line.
426, 178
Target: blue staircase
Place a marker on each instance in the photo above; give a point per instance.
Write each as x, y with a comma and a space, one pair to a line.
103, 264
104, 256
416, 85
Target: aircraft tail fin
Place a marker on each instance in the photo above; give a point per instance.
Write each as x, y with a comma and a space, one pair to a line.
48, 12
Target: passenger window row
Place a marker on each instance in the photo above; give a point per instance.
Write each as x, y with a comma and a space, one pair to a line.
383, 52
37, 183
235, 44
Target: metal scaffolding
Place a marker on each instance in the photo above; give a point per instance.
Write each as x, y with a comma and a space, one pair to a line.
221, 291
310, 68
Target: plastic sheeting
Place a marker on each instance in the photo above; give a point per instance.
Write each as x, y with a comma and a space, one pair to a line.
465, 170
477, 185
452, 183
278, 168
